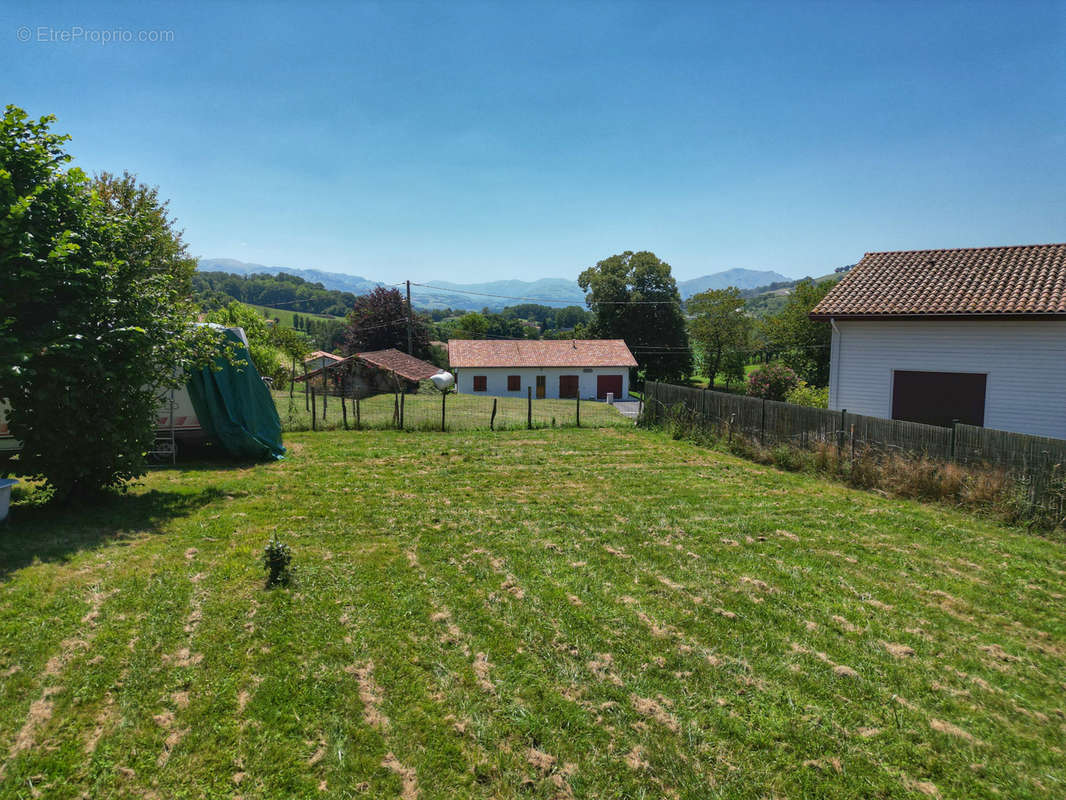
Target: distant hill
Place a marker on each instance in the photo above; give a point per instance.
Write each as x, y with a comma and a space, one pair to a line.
740, 278
330, 280
438, 294
475, 296
765, 301
548, 291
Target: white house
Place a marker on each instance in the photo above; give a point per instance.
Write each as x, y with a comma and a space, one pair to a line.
319, 359
976, 335
591, 368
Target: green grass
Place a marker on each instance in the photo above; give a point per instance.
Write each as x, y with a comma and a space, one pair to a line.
737, 387
284, 316
530, 614
422, 411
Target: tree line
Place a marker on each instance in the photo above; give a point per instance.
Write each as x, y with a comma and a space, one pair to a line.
633, 296
630, 296
214, 290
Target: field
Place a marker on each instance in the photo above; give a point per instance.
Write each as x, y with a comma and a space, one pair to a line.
530, 614
422, 411
284, 316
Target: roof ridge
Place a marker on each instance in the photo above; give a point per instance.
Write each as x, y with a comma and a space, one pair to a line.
1027, 280
966, 249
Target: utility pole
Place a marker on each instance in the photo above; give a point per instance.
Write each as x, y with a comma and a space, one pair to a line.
409, 351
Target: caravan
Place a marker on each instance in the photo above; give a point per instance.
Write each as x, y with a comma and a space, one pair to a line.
227, 404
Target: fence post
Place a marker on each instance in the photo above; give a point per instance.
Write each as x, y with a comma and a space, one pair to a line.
314, 411
344, 412
762, 425
358, 416
443, 403
402, 396
492, 419
395, 410
307, 383
325, 394
840, 435
954, 433
292, 379
579, 409
529, 408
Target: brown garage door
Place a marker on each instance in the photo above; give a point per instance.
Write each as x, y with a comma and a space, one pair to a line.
608, 383
938, 398
568, 385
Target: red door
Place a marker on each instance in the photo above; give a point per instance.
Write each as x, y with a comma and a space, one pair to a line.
568, 385
608, 383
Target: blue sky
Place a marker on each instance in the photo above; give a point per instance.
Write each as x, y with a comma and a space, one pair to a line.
478, 141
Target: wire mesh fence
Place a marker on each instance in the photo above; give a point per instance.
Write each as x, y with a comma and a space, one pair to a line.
1036, 462
427, 410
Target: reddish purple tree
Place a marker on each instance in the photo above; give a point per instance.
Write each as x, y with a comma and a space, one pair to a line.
378, 321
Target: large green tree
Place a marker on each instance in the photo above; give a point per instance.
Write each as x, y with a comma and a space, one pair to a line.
718, 327
93, 313
634, 297
797, 340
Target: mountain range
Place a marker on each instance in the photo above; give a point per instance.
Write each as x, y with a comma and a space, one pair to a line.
493, 294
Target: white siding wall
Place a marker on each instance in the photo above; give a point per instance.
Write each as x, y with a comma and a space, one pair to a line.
1025, 361
497, 380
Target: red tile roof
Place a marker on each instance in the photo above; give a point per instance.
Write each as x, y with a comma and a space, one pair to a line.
981, 281
322, 354
533, 353
409, 367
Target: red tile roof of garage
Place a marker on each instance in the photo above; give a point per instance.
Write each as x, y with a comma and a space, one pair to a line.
534, 353
979, 281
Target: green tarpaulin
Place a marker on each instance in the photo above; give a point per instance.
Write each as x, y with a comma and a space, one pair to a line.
234, 405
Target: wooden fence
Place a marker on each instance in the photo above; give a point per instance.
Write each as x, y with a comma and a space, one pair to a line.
1035, 461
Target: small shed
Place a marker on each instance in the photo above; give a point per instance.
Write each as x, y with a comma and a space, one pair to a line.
373, 372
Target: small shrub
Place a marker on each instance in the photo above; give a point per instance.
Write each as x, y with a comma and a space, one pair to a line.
865, 472
791, 458
681, 422
772, 382
277, 561
989, 489
824, 456
923, 479
803, 394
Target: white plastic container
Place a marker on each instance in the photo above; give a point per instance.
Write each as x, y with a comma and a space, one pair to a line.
610, 398
5, 496
443, 380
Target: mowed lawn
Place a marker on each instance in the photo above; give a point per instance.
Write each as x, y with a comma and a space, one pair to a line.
529, 614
